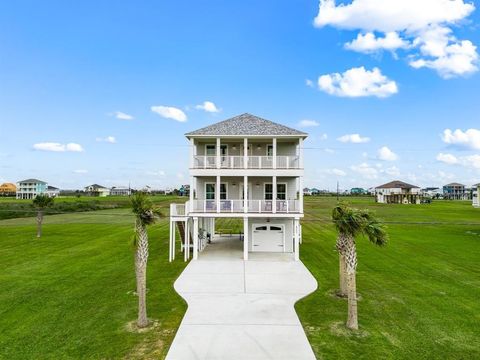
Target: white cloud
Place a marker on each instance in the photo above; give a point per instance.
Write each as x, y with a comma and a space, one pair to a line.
385, 154
392, 171
329, 151
353, 138
358, 82
466, 161
369, 43
467, 139
323, 136
80, 171
447, 158
336, 172
365, 170
208, 106
308, 123
160, 173
426, 25
58, 147
170, 112
122, 116
309, 83
108, 139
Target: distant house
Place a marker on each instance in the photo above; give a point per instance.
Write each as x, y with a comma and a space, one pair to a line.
432, 192
476, 195
455, 191
8, 189
307, 192
30, 188
358, 191
397, 192
184, 190
315, 191
97, 190
120, 191
52, 191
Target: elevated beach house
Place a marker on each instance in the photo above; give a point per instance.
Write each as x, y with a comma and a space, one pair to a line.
30, 188
247, 168
398, 192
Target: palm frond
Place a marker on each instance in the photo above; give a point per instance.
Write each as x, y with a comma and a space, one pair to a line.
144, 209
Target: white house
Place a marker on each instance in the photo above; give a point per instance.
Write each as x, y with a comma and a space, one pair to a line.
248, 168
120, 191
52, 191
97, 190
398, 192
30, 188
476, 195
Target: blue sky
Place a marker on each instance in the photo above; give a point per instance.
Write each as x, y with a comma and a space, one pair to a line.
67, 69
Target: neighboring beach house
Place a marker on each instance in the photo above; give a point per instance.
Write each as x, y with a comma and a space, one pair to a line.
52, 191
398, 192
30, 188
476, 195
120, 191
97, 190
455, 191
248, 168
8, 189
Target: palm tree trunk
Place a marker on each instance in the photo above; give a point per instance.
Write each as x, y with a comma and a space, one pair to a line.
141, 258
351, 264
39, 223
341, 246
343, 276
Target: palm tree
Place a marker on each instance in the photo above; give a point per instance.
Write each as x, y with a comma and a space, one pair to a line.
351, 223
145, 214
41, 202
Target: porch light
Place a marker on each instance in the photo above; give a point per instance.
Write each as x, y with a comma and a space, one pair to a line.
259, 147
234, 147
257, 185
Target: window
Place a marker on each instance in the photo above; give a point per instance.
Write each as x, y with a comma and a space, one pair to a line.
281, 191
269, 150
210, 150
210, 191
268, 191
261, 228
276, 228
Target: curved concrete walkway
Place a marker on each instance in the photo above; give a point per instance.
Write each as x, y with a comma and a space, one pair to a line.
242, 309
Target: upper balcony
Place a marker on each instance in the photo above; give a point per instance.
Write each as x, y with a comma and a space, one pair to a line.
248, 162
265, 153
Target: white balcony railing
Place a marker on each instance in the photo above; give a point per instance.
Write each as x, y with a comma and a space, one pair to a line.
253, 162
237, 206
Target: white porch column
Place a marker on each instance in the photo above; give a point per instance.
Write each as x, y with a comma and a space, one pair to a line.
192, 191
170, 242
195, 238
300, 194
245, 194
245, 238
296, 237
274, 145
274, 194
217, 193
300, 153
245, 153
186, 244
193, 152
218, 152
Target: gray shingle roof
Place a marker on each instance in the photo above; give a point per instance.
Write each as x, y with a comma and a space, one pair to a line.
32, 181
246, 125
397, 184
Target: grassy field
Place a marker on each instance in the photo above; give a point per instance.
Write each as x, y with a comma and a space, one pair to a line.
419, 295
69, 294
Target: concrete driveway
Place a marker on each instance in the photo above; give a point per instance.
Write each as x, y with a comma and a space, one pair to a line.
242, 309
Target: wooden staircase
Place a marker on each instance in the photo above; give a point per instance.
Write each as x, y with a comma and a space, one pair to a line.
181, 230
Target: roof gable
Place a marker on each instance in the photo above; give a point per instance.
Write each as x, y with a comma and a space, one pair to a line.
32, 181
246, 125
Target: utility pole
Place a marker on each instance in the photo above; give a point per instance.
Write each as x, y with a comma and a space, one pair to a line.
337, 192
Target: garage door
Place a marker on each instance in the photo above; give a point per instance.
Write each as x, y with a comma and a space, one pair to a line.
268, 237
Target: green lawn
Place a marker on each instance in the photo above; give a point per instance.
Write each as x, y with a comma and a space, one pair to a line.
419, 295
69, 294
